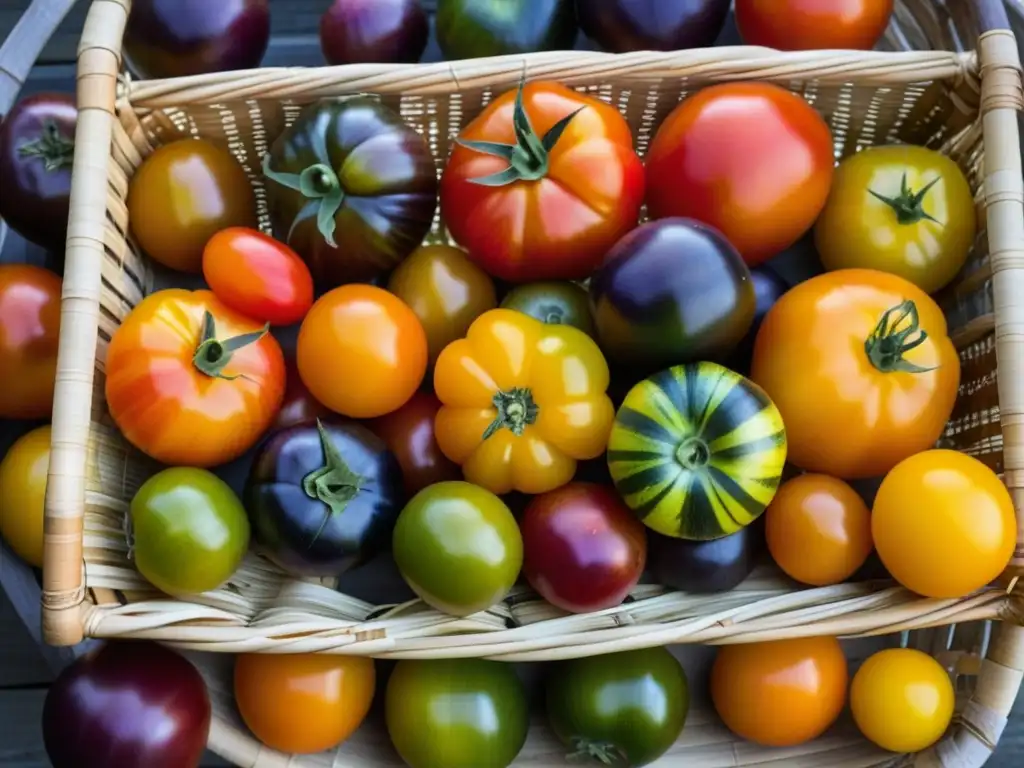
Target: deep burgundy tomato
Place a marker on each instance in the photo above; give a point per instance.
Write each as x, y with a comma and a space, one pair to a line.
583, 550
374, 31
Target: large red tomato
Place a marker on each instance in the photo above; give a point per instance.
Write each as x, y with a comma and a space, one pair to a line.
751, 159
807, 25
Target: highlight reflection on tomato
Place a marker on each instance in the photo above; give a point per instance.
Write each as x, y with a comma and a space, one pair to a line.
805, 25
29, 326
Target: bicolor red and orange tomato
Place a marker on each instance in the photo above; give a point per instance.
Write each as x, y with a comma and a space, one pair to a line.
29, 327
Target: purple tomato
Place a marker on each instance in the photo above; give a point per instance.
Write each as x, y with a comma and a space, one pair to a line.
374, 31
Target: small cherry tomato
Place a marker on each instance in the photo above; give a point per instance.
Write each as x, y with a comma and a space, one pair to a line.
902, 700
258, 276
303, 703
361, 351
807, 25
299, 406
781, 693
583, 549
22, 492
29, 327
445, 290
556, 303
943, 524
818, 530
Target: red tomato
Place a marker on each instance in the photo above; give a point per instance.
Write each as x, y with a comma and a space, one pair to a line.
807, 25
583, 549
544, 213
751, 159
299, 406
258, 276
29, 326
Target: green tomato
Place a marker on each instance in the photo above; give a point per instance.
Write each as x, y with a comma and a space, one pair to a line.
458, 547
557, 303
456, 713
190, 531
623, 709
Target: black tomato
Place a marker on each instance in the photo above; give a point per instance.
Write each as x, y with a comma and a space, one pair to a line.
620, 26
769, 287
470, 29
706, 566
559, 303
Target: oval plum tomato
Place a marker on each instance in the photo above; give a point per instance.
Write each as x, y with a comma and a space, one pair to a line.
303, 703
755, 162
258, 276
861, 354
943, 524
22, 493
781, 693
191, 382
29, 327
446, 290
818, 530
361, 351
182, 195
542, 184
409, 434
902, 700
807, 25
583, 549
298, 406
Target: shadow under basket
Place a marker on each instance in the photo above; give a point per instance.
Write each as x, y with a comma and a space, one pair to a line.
963, 104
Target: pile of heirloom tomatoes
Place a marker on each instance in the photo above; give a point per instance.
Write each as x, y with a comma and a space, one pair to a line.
636, 395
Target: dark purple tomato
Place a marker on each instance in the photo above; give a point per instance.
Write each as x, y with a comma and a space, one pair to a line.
129, 705
620, 26
176, 38
37, 142
583, 550
374, 31
706, 566
768, 289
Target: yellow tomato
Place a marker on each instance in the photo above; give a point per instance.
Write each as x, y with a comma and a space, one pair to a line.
902, 700
22, 492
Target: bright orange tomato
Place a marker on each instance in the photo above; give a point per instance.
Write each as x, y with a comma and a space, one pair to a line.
780, 694
191, 382
807, 25
943, 524
303, 703
362, 351
818, 530
29, 327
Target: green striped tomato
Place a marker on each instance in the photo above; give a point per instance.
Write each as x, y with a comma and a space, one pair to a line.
697, 451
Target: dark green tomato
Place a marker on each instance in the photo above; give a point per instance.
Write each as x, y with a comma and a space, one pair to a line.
558, 303
697, 451
624, 709
459, 547
456, 713
472, 29
351, 188
323, 498
705, 566
671, 291
189, 531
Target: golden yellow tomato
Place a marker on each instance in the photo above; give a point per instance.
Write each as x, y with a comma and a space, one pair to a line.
22, 492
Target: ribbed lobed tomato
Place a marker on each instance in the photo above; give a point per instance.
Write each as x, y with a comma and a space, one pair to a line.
804, 25
29, 327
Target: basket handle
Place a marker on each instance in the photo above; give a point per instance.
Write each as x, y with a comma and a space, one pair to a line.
26, 41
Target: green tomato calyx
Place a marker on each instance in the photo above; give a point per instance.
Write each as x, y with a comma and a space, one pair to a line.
212, 356
889, 342
320, 185
334, 483
909, 205
693, 453
56, 150
516, 411
528, 158
601, 752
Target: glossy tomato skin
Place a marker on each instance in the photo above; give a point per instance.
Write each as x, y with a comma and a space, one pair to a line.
303, 703
583, 550
629, 707
446, 291
458, 547
782, 693
670, 292
323, 526
258, 276
943, 524
189, 530
926, 244
546, 229
29, 330
620, 26
811, 358
557, 303
470, 29
298, 406
374, 31
756, 162
133, 705
456, 713
818, 530
705, 566
37, 140
167, 405
769, 287
807, 25
362, 351
22, 494
409, 435
182, 195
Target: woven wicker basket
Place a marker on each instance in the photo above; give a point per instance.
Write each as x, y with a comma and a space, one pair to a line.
962, 103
